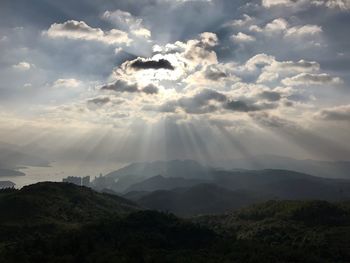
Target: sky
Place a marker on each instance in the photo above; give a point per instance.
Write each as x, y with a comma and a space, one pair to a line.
139, 80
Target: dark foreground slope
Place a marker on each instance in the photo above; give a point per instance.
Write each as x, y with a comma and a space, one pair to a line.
198, 199
58, 203
277, 231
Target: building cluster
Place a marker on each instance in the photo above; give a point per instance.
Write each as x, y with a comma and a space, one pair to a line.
7, 185
81, 181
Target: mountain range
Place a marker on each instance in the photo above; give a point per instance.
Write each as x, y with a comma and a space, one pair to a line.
169, 186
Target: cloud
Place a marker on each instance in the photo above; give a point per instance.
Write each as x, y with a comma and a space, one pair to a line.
22, 66
124, 86
126, 21
79, 30
343, 5
242, 38
270, 95
303, 31
66, 83
281, 26
202, 102
245, 21
121, 86
150, 89
339, 113
140, 64
271, 69
272, 3
245, 106
311, 79
99, 101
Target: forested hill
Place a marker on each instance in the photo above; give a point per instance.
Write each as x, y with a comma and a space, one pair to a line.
53, 222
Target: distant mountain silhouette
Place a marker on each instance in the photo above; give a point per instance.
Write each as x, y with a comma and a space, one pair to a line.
328, 169
123, 178
164, 183
284, 184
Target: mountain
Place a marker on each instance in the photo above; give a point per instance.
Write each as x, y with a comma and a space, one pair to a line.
198, 199
327, 169
160, 182
123, 178
58, 203
284, 184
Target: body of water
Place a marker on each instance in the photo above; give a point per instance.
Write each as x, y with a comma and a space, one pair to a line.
57, 171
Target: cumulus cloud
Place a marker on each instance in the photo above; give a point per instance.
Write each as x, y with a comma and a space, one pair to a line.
245, 21
79, 30
281, 26
343, 5
302, 31
242, 38
271, 69
311, 79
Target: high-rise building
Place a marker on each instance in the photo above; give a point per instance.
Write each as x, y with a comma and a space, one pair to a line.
85, 181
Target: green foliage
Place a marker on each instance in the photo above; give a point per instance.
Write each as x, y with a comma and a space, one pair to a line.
74, 224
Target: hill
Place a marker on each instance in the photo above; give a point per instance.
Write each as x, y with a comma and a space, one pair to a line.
198, 199
58, 203
275, 231
160, 182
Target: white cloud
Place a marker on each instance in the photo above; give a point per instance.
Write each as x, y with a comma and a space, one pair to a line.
311, 79
302, 31
22, 66
66, 83
242, 38
245, 21
343, 5
81, 31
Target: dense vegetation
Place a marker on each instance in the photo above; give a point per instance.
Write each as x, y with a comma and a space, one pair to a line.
93, 227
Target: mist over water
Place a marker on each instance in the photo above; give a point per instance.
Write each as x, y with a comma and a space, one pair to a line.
59, 170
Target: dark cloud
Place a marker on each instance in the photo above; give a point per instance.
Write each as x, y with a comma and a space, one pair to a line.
124, 86
241, 106
121, 86
214, 74
245, 106
341, 113
99, 101
270, 95
201, 102
150, 89
140, 64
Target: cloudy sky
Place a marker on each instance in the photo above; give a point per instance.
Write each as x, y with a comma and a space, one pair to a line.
130, 80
